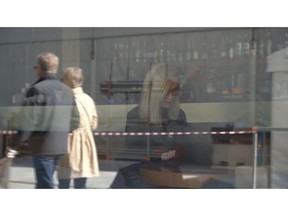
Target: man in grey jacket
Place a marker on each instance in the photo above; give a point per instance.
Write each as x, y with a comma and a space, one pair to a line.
49, 113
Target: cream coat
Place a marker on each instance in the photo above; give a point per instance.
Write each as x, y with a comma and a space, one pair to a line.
81, 160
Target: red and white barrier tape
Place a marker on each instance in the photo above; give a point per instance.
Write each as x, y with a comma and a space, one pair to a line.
3, 132
169, 133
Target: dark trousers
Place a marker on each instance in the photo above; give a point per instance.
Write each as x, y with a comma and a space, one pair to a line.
44, 167
79, 183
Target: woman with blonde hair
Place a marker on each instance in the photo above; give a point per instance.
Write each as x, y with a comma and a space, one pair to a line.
158, 111
160, 91
81, 161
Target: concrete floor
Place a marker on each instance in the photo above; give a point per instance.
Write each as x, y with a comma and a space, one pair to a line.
22, 174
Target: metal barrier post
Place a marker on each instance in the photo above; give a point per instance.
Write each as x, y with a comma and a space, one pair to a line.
148, 148
255, 146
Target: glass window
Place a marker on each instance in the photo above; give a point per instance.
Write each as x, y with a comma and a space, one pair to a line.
171, 102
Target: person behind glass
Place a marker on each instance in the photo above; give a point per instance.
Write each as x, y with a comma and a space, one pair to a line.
48, 114
81, 161
158, 111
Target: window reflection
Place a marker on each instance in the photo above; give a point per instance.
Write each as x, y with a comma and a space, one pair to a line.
229, 79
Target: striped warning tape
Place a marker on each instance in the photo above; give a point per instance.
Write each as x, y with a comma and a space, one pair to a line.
3, 132
170, 133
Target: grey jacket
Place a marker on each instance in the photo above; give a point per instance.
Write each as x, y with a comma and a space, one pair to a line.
49, 113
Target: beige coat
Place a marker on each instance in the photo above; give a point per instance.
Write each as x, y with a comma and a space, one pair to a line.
81, 160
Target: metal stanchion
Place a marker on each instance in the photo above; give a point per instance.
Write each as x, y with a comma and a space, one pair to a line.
148, 148
255, 146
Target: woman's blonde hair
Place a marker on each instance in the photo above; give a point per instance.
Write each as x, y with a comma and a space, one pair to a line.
73, 77
156, 86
